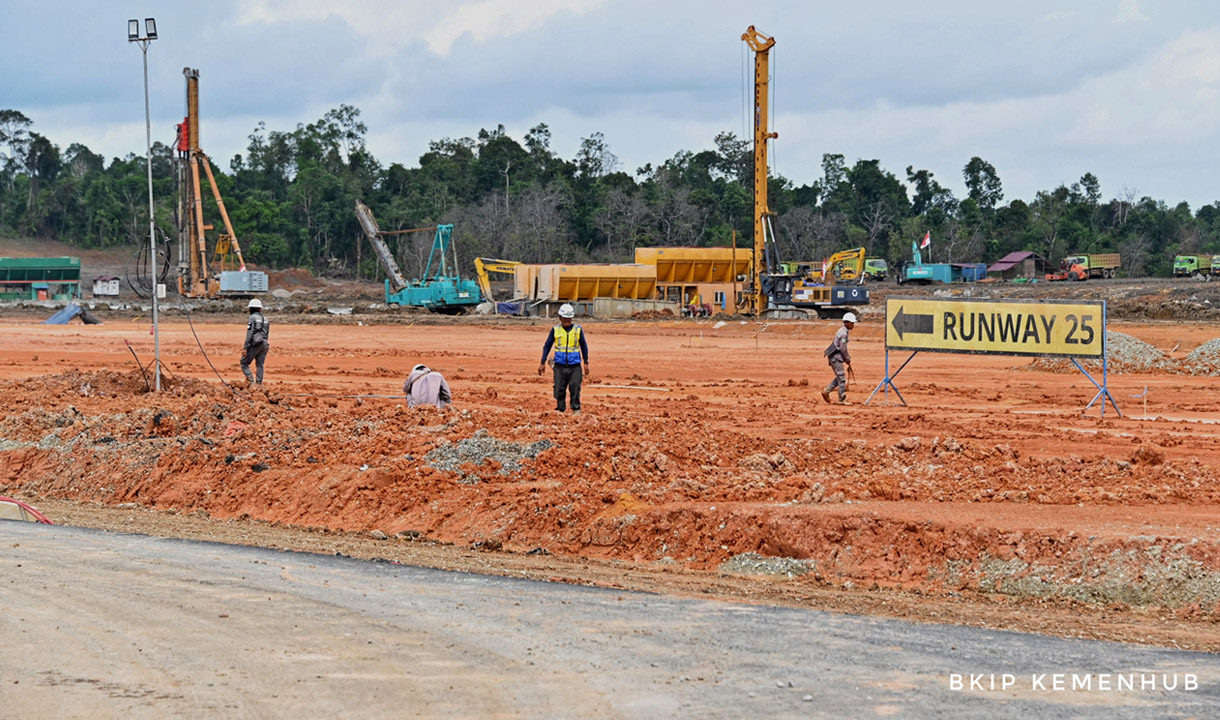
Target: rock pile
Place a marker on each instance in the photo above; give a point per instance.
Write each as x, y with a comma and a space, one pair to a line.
480, 448
1127, 354
1204, 360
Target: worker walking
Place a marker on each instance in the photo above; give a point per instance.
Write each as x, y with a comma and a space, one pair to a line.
570, 349
840, 360
425, 386
257, 342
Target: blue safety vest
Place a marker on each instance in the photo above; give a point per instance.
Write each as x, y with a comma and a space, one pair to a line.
567, 345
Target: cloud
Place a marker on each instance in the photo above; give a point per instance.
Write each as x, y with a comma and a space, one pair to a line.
387, 26
498, 18
1129, 12
1128, 126
1043, 93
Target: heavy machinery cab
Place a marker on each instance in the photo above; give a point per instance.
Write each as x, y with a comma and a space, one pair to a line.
875, 269
1069, 269
1185, 265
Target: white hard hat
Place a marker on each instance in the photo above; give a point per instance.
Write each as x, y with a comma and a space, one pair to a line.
849, 317
567, 311
255, 304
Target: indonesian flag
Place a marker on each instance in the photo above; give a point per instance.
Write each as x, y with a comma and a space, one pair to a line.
927, 240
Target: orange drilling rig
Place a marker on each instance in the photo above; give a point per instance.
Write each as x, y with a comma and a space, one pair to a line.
200, 275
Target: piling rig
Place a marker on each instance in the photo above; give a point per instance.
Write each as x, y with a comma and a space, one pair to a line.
200, 275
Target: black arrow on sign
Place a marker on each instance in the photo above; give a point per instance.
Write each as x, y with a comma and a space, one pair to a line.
918, 324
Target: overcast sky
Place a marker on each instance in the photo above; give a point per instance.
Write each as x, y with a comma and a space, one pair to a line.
1045, 91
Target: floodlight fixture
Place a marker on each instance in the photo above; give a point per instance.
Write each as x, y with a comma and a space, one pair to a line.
133, 35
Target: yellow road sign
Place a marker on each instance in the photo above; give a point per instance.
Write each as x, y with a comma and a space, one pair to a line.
1003, 327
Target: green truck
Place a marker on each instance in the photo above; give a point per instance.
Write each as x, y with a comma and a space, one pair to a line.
875, 269
39, 278
1192, 266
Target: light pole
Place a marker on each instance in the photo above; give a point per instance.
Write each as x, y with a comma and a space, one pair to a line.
133, 35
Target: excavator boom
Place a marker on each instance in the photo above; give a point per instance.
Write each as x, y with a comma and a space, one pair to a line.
848, 263
482, 266
369, 224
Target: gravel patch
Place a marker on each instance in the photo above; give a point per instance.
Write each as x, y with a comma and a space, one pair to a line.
478, 449
755, 564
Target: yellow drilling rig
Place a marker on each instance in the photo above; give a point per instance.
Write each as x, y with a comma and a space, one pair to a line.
221, 273
769, 290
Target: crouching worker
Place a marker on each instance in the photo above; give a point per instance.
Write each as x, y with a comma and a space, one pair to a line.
258, 333
425, 386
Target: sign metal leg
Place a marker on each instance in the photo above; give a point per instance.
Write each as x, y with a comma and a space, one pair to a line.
888, 382
1103, 392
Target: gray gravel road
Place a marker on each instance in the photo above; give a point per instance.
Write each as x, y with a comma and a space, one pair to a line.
104, 625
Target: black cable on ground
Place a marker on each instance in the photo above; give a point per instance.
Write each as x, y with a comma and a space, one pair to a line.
147, 386
209, 360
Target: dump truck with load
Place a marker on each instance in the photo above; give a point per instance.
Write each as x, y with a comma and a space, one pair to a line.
1192, 266
1083, 267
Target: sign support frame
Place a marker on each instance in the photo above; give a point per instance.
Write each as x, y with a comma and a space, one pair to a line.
1103, 388
888, 382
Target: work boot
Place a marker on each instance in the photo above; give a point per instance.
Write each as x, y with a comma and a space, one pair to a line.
575, 412
826, 395
844, 401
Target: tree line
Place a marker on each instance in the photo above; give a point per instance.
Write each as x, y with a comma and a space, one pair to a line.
291, 197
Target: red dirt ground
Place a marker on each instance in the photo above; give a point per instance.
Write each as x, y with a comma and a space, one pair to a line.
990, 483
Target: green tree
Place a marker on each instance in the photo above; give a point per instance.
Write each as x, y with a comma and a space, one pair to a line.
983, 184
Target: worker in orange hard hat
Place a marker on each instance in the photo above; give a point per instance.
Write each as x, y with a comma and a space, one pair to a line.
840, 360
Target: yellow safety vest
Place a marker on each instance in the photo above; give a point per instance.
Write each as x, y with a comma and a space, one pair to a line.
567, 345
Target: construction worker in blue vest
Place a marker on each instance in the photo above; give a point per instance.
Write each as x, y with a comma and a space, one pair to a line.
570, 350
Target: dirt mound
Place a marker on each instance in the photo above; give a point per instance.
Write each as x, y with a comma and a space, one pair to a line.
653, 315
293, 279
110, 383
686, 455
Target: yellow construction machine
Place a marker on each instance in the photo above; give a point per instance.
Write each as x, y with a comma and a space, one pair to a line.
843, 267
768, 288
836, 283
482, 266
846, 266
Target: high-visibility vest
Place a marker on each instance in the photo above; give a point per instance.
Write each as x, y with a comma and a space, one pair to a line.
567, 345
